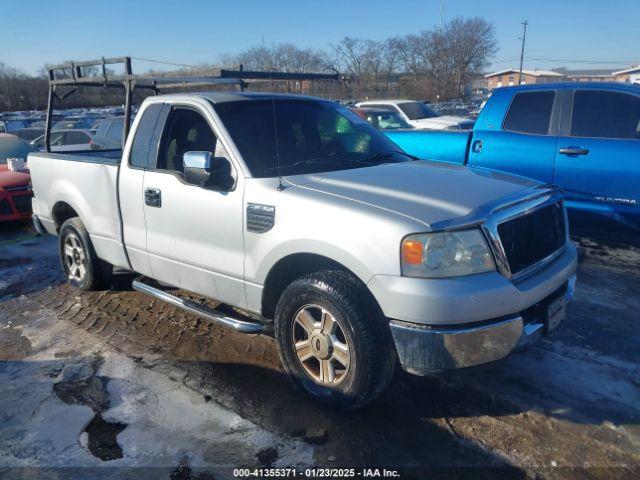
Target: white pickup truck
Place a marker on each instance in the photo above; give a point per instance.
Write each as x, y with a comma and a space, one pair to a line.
296, 211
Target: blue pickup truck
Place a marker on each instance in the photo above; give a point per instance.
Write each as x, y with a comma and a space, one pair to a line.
584, 137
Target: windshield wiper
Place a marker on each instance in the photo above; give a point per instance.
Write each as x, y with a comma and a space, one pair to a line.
310, 161
383, 157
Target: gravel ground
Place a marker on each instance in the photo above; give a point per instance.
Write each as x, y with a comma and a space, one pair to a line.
115, 384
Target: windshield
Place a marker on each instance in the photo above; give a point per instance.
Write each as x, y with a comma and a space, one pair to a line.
416, 110
390, 121
12, 125
308, 136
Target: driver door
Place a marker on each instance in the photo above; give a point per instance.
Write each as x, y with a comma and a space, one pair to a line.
194, 234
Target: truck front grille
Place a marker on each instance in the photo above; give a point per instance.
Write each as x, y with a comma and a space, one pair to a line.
533, 237
22, 203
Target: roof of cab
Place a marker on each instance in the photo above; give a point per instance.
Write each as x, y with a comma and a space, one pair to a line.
574, 85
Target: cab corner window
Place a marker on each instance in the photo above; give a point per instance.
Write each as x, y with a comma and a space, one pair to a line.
530, 112
602, 114
144, 133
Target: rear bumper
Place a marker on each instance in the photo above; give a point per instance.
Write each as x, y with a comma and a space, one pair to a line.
15, 206
425, 349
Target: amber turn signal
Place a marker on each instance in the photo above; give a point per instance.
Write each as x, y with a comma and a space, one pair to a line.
412, 252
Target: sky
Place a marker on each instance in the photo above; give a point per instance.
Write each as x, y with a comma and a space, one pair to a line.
575, 34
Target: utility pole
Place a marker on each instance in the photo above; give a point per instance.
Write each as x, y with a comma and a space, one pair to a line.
524, 39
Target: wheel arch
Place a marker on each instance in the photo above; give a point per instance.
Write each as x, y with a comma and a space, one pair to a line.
294, 266
61, 212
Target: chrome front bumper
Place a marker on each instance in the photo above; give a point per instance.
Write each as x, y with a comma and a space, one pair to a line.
424, 349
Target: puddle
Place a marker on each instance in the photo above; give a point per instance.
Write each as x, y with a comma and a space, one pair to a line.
81, 386
102, 441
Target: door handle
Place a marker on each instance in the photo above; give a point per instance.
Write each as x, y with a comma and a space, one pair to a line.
574, 151
153, 197
477, 146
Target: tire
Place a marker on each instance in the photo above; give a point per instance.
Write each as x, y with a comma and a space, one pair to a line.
80, 264
314, 357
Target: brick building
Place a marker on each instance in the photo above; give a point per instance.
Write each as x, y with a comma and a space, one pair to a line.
630, 75
589, 75
511, 76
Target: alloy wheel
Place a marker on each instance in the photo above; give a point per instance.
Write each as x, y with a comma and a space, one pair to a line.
321, 345
75, 258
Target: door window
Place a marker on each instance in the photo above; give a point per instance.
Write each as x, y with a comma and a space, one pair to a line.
186, 131
604, 114
530, 112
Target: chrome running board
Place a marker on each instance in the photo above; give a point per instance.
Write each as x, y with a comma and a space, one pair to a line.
215, 316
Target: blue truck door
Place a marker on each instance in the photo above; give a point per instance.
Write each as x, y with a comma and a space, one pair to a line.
523, 141
598, 160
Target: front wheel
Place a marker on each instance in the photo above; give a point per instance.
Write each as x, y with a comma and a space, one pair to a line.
333, 343
80, 263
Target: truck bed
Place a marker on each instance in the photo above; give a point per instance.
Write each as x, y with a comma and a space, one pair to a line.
440, 145
88, 181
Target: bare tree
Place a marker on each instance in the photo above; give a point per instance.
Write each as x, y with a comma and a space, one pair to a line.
471, 42
458, 51
436, 63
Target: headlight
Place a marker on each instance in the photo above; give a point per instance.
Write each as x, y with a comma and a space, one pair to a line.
446, 254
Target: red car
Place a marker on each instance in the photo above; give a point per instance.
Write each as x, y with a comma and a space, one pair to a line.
15, 192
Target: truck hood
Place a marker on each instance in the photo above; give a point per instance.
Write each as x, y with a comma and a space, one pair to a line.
10, 179
425, 191
439, 122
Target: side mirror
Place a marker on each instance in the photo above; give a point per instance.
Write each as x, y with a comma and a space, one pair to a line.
207, 171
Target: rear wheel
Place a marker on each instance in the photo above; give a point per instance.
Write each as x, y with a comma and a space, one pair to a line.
333, 343
80, 263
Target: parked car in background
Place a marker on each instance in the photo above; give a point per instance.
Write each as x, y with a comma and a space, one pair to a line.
15, 193
71, 124
475, 107
12, 125
109, 134
458, 109
420, 115
95, 126
382, 118
584, 137
66, 140
30, 133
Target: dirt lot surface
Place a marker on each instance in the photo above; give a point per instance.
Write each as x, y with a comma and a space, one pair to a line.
114, 384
